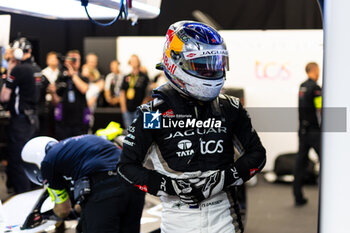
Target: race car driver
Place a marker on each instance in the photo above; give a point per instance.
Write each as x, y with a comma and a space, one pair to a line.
189, 133
87, 161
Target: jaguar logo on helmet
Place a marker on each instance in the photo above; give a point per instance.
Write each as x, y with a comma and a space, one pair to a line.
215, 52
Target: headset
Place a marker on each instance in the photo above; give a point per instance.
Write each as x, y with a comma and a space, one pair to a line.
20, 47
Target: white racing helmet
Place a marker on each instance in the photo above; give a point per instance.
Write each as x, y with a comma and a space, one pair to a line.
195, 59
33, 154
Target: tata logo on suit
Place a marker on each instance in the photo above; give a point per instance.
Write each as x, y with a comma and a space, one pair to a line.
185, 147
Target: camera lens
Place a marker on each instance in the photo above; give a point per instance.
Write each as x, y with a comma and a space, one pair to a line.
72, 59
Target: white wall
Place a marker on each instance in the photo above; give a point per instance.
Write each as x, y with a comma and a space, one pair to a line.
148, 48
268, 65
5, 22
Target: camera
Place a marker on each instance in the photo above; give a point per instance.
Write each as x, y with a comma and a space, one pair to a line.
71, 59
62, 60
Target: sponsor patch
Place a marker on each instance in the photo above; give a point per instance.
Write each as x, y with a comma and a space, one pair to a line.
185, 147
211, 146
253, 171
142, 188
128, 142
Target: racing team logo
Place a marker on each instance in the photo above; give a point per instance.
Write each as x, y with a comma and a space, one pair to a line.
151, 120
185, 147
184, 144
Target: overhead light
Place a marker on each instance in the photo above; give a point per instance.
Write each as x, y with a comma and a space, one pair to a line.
72, 9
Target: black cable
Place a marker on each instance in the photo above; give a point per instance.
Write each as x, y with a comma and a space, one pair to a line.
123, 10
320, 4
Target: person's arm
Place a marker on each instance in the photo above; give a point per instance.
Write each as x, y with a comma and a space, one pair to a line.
124, 87
123, 101
5, 94
6, 89
107, 90
62, 210
147, 97
55, 187
253, 159
135, 147
111, 100
254, 154
100, 84
317, 95
92, 94
55, 98
80, 84
91, 101
63, 205
107, 95
130, 166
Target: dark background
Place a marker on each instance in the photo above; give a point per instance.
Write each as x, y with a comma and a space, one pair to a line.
60, 35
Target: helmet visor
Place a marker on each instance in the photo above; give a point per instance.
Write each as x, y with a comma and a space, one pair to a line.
207, 67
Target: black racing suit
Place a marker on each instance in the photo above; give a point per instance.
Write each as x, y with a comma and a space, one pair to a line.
183, 152
309, 131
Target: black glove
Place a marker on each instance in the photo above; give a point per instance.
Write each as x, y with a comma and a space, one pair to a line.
183, 188
193, 190
163, 185
186, 191
206, 187
232, 177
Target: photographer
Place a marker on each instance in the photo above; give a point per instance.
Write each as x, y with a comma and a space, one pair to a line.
68, 94
21, 93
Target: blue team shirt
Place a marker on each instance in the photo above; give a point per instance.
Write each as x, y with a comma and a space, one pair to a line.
77, 157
